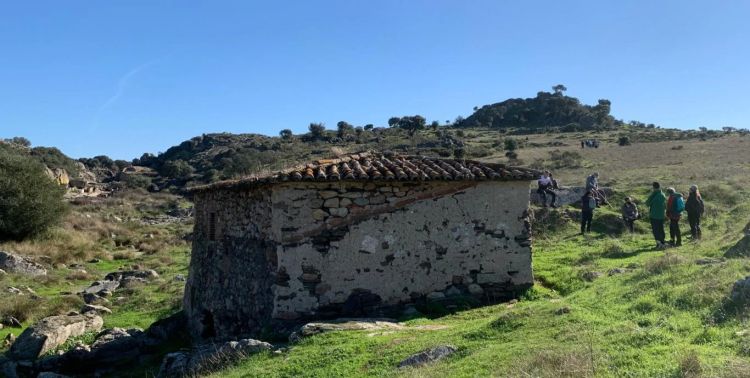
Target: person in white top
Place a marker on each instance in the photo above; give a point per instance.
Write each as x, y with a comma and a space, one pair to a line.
546, 184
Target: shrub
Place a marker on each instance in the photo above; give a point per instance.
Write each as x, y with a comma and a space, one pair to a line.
29, 201
510, 145
179, 169
624, 141
565, 159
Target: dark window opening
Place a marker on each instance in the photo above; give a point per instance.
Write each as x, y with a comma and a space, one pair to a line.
208, 325
212, 227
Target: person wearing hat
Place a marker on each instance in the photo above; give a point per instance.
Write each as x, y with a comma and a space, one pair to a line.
630, 213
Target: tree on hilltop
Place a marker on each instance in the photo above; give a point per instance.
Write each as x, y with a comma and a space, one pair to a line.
559, 89
317, 130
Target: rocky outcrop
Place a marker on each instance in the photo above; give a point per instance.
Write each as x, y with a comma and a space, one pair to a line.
427, 356
115, 280
566, 195
52, 332
742, 248
13, 263
208, 357
344, 324
59, 175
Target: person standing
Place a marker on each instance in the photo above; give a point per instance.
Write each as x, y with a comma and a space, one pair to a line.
592, 185
588, 204
545, 186
657, 203
694, 208
675, 206
629, 213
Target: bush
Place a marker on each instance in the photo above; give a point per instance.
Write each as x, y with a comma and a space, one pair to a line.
624, 141
29, 201
179, 169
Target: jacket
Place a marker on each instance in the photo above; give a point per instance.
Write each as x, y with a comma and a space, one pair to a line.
592, 183
694, 205
657, 205
675, 206
588, 203
629, 211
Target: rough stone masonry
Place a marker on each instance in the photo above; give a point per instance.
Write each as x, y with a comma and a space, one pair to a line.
361, 235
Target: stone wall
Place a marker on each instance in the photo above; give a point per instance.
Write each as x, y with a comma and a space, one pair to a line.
305, 250
356, 248
232, 271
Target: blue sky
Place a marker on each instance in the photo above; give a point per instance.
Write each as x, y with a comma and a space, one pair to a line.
125, 77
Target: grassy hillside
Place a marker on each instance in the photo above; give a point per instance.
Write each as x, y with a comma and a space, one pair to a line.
663, 316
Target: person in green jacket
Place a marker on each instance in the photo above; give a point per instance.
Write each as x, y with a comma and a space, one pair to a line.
657, 204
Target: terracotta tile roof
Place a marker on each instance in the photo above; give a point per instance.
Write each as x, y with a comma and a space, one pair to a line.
369, 166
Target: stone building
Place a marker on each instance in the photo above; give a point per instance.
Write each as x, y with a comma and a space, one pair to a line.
360, 235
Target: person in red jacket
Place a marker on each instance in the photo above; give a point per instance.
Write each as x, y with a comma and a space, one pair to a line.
675, 206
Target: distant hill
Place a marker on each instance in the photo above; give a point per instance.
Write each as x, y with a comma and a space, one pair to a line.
546, 110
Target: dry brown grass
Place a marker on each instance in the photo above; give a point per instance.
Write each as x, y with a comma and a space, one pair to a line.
555, 364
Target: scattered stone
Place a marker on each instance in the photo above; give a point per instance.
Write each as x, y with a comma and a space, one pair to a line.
1, 326
615, 271
209, 357
95, 309
475, 289
14, 290
99, 286
130, 282
12, 322
741, 291
90, 298
52, 332
2, 272
9, 339
180, 278
709, 261
435, 296
121, 275
741, 249
344, 324
427, 356
17, 264
590, 275
453, 291
562, 310
49, 374
94, 261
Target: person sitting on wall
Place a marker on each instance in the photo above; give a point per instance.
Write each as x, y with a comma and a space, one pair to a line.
545, 185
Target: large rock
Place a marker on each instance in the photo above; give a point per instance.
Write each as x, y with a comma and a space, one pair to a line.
102, 286
344, 324
566, 195
59, 175
209, 357
742, 248
125, 274
17, 264
427, 356
740, 295
50, 333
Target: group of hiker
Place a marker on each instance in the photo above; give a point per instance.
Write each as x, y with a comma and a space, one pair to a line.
661, 207
590, 143
670, 207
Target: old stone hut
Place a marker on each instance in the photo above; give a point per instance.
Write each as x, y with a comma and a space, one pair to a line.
359, 235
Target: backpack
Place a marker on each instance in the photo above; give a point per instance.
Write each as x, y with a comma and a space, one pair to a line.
679, 205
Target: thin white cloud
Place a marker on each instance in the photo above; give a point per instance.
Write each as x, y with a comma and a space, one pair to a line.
120, 89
